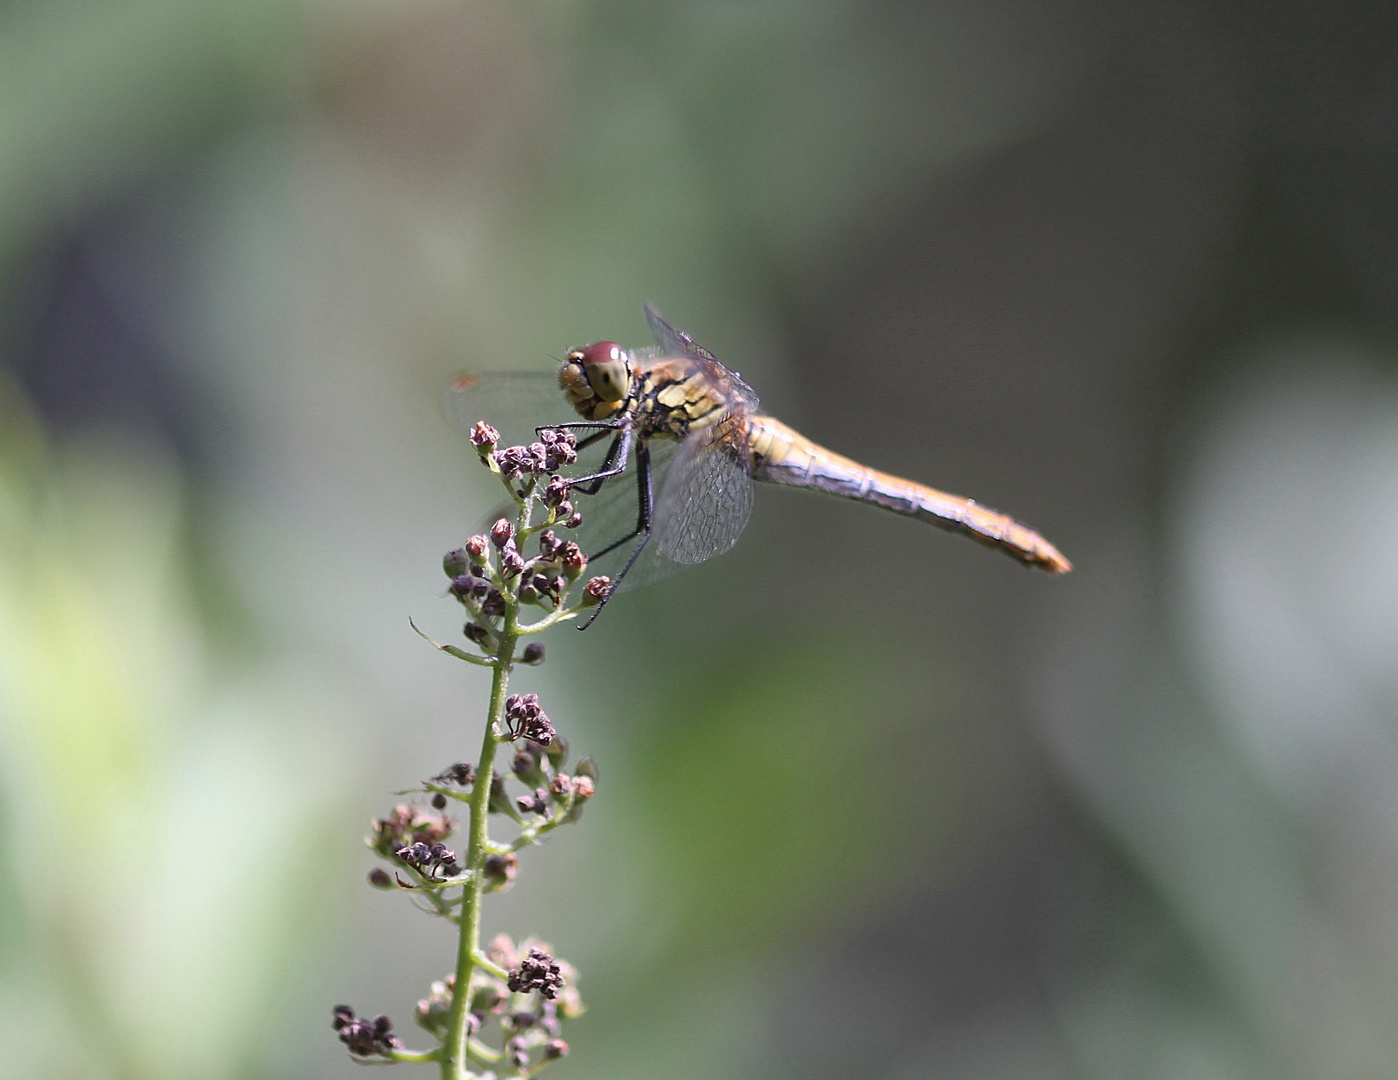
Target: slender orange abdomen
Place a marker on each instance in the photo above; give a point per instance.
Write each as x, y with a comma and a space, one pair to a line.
782, 455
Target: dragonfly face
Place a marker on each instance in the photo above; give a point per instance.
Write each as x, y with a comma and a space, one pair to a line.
596, 380
693, 494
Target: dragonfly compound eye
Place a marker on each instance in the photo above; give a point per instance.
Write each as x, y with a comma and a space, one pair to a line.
608, 372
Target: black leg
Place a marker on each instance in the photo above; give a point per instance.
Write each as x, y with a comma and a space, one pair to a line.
610, 425
645, 501
596, 436
614, 465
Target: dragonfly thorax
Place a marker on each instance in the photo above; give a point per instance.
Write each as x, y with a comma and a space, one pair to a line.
596, 379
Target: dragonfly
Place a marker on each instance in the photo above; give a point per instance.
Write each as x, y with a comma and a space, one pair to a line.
691, 432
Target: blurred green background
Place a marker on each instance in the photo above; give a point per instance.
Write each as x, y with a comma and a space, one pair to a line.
874, 802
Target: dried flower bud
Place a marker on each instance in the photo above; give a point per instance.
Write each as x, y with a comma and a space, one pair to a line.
556, 491
500, 871
526, 719
502, 532
537, 803
596, 590
574, 561
455, 562
560, 447
380, 879
364, 1036
574, 520
493, 606
511, 562
561, 786
484, 438
533, 654
462, 773
537, 971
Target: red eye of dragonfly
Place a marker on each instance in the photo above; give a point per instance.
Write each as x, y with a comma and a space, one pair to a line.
601, 352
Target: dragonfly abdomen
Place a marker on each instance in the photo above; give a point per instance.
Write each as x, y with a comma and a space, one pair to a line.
782, 455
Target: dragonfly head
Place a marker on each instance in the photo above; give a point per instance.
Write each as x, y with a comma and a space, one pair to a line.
596, 379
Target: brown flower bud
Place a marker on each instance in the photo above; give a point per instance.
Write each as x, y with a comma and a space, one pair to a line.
484, 437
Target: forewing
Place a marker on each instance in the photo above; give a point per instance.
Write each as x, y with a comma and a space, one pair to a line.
704, 504
676, 343
513, 402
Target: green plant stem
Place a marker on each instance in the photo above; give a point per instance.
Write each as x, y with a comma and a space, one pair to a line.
454, 1060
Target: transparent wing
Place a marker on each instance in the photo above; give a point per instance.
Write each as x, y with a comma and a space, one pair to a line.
675, 343
704, 504
513, 402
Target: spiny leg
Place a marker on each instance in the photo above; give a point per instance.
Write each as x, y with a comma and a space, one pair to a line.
645, 501
618, 456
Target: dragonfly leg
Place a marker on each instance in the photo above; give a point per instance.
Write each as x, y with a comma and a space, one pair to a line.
645, 500
591, 425
596, 436
614, 464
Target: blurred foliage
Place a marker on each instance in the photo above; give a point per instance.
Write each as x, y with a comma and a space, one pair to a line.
156, 817
778, 795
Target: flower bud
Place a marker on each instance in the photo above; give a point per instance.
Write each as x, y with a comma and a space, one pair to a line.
555, 1049
502, 532
574, 561
439, 801
380, 878
511, 561
557, 750
477, 546
461, 773
596, 590
455, 562
533, 654
583, 787
487, 998
500, 871
526, 767
499, 802
587, 767
484, 438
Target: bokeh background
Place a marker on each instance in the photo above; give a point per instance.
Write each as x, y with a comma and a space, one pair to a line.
874, 802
